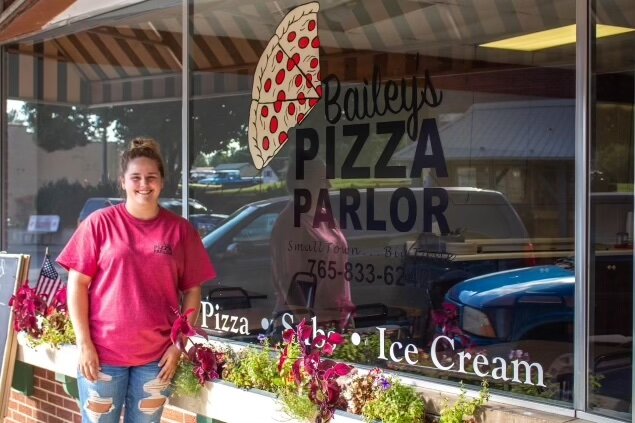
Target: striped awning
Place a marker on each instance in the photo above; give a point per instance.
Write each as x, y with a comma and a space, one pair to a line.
139, 58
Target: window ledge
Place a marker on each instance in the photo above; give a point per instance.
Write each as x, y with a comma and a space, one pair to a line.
223, 401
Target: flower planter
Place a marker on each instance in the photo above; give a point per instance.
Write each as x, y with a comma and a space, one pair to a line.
225, 402
219, 400
62, 360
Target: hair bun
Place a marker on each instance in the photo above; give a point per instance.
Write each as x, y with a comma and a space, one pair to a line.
145, 143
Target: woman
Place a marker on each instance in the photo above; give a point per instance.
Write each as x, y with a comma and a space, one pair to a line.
298, 251
128, 265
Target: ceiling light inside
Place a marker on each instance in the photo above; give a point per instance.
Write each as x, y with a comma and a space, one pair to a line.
552, 38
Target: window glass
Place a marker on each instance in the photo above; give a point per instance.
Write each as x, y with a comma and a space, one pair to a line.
610, 326
74, 103
419, 158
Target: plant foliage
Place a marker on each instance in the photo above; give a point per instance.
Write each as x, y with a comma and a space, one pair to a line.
465, 409
42, 325
394, 403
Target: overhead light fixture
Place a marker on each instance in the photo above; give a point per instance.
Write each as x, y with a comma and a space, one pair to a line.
552, 38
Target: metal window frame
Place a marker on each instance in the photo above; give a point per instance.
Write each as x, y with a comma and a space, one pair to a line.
583, 120
186, 9
581, 223
4, 139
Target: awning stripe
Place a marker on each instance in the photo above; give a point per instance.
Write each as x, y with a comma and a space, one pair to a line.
152, 50
207, 35
109, 57
132, 59
50, 86
88, 59
398, 20
202, 51
140, 62
13, 66
37, 73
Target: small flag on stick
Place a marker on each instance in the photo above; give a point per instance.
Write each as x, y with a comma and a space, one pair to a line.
49, 281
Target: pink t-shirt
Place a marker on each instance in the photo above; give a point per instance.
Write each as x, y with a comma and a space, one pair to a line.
293, 249
137, 268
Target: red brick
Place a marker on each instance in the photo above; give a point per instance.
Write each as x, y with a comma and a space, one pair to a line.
47, 385
56, 399
59, 389
19, 418
53, 419
64, 414
47, 407
24, 409
40, 393
71, 405
77, 418
15, 395
187, 418
40, 416
38, 371
14, 404
30, 401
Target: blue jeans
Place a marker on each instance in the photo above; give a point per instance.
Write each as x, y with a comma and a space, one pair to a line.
135, 387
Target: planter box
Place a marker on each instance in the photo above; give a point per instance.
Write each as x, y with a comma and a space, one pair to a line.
62, 360
225, 402
219, 400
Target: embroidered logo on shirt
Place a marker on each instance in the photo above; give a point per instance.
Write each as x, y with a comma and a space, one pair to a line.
163, 249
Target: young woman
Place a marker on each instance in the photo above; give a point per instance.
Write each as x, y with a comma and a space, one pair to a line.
129, 265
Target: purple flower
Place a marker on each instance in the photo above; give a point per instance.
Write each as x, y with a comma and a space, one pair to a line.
262, 338
384, 383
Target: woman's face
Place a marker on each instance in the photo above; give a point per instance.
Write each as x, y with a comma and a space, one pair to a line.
142, 182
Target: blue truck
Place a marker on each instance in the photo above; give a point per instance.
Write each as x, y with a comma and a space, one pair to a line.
228, 179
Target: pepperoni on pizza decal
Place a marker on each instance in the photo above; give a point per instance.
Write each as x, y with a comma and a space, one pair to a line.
287, 83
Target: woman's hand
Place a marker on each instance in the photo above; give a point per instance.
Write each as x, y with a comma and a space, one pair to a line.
168, 363
89, 361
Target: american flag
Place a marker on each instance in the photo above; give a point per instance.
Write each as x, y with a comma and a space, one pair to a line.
49, 281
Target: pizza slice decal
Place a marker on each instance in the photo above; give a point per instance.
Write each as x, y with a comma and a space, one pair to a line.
287, 83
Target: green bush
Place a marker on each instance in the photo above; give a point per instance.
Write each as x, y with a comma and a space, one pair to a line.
185, 382
254, 368
397, 404
57, 330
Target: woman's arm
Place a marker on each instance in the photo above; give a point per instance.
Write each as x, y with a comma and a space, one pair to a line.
77, 294
192, 299
170, 359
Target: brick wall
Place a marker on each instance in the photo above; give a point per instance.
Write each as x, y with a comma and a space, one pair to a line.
50, 404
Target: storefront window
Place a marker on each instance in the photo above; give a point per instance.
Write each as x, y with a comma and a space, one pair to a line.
74, 102
373, 157
611, 214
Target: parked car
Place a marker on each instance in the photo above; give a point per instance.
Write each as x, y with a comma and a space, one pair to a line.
203, 220
536, 304
228, 180
529, 303
240, 247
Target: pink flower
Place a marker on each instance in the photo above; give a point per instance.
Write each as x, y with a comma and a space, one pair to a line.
27, 306
310, 368
180, 327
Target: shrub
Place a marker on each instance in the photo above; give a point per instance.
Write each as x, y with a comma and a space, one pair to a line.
397, 403
465, 409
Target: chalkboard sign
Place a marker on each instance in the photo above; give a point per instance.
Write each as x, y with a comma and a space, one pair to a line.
13, 272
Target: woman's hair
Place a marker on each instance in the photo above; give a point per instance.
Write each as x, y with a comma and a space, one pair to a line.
142, 147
